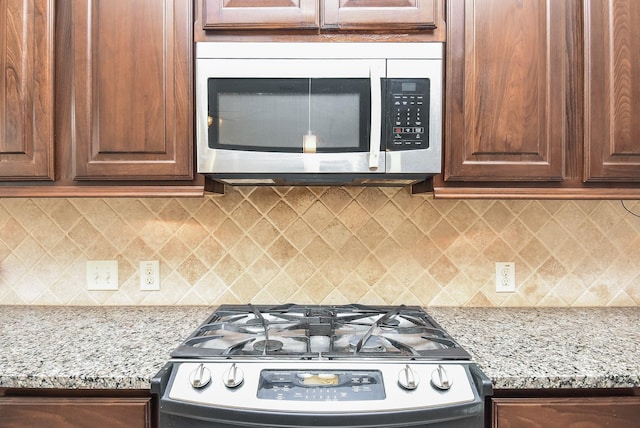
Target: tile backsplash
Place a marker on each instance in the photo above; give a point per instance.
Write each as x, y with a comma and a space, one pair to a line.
321, 245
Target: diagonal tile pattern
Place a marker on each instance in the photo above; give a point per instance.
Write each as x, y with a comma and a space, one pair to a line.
322, 245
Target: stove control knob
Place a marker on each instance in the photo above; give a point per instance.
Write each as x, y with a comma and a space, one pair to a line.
408, 379
200, 377
440, 379
233, 377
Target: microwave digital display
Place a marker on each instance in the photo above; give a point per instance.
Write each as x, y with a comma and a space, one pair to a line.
409, 86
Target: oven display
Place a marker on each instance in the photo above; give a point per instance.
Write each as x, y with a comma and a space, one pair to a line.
321, 385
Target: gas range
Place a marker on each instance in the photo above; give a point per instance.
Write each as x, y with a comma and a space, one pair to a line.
309, 365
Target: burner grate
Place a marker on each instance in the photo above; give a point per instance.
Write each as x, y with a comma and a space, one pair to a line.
310, 332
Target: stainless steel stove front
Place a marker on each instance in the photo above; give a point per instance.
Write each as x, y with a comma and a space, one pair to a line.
299, 366
294, 393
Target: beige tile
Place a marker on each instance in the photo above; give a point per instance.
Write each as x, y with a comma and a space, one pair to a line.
13, 233
282, 215
263, 270
535, 216
322, 244
246, 215
300, 269
336, 199
245, 252
444, 271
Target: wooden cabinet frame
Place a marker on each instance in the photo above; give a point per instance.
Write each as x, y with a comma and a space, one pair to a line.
507, 96
612, 91
619, 412
130, 87
266, 14
89, 408
395, 14
26, 90
355, 20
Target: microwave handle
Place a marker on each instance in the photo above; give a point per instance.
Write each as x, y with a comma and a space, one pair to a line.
376, 118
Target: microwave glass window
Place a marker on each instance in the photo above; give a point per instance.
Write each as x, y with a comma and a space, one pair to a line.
277, 114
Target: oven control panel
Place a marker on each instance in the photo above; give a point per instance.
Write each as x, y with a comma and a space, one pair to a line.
321, 385
300, 386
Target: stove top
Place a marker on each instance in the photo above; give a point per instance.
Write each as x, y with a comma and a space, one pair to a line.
313, 332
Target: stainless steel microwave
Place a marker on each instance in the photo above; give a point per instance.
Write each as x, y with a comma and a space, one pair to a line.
325, 113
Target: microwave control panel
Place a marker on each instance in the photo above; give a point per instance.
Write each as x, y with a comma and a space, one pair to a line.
407, 107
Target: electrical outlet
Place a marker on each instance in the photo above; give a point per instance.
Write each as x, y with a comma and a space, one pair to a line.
102, 275
150, 275
505, 277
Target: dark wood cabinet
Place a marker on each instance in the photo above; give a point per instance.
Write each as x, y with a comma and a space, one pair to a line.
377, 16
618, 412
381, 15
26, 90
508, 86
541, 100
106, 97
612, 91
126, 89
263, 14
75, 412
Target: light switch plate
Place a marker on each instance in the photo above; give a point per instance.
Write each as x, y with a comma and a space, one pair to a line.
102, 275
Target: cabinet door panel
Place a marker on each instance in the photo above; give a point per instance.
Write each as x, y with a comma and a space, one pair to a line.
131, 89
619, 412
507, 90
268, 14
380, 14
16, 412
612, 108
26, 90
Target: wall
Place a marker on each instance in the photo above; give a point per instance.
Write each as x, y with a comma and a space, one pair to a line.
322, 245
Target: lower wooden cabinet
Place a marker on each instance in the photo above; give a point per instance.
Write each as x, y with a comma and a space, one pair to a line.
59, 411
566, 412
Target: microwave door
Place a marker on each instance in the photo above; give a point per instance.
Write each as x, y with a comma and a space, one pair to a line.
288, 117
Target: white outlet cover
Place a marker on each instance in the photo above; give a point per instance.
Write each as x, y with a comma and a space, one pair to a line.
505, 277
150, 275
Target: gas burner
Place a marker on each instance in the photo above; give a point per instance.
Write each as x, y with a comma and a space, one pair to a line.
254, 326
269, 345
372, 344
315, 332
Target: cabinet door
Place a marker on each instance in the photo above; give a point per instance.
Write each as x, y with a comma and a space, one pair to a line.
17, 412
618, 412
266, 14
26, 89
126, 88
380, 15
612, 107
508, 110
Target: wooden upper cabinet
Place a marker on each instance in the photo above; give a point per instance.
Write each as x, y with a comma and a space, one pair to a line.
380, 14
373, 15
125, 89
26, 89
253, 14
509, 71
612, 90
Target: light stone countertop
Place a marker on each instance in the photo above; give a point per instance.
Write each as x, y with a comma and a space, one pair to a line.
123, 347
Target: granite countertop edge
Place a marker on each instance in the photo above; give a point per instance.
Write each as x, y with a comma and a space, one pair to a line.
123, 347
